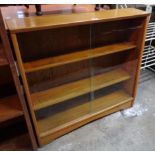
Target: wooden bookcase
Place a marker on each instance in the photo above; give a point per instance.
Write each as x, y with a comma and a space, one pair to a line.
10, 107
79, 67
12, 101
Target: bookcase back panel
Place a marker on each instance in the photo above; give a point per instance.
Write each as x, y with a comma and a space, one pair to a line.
5, 75
7, 86
115, 67
115, 32
109, 61
40, 44
53, 77
64, 112
103, 96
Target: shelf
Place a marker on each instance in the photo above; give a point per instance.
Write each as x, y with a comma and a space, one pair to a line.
9, 108
150, 35
68, 91
3, 60
76, 56
148, 58
66, 118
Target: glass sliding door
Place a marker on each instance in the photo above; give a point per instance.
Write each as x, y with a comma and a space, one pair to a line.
113, 63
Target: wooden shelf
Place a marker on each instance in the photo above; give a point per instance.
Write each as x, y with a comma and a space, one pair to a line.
76, 56
66, 118
3, 60
9, 108
68, 91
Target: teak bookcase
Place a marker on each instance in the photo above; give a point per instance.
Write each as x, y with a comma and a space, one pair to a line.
10, 106
12, 101
79, 67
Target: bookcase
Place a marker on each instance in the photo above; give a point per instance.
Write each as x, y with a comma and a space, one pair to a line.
79, 67
12, 102
10, 107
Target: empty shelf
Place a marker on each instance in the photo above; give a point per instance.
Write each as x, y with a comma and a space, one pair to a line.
74, 89
76, 56
58, 121
3, 60
9, 108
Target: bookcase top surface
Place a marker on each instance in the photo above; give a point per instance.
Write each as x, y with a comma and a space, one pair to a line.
16, 25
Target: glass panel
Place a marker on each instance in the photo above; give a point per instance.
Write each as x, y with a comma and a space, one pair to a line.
113, 70
58, 74
65, 97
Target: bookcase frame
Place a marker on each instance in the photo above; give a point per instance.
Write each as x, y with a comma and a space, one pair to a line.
89, 25
14, 106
